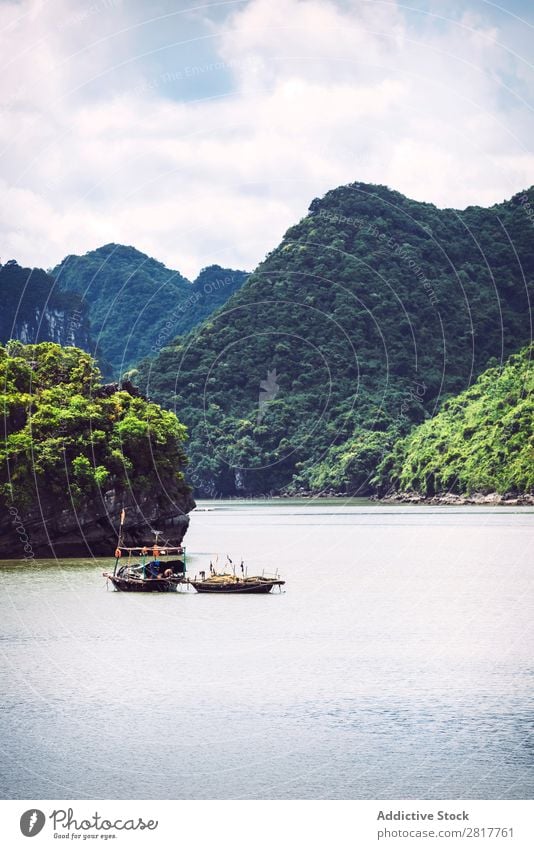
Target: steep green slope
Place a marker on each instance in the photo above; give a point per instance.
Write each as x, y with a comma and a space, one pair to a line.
481, 441
371, 310
62, 424
137, 304
73, 448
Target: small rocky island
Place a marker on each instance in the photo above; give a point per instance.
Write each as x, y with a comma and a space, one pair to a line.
76, 452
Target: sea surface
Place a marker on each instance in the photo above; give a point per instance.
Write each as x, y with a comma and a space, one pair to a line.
398, 663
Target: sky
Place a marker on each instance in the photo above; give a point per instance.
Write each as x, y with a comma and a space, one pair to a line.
199, 132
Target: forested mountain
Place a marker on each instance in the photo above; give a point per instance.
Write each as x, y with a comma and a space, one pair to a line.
211, 289
481, 441
136, 304
75, 452
371, 311
34, 310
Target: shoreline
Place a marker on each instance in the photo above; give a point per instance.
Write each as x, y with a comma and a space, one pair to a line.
490, 499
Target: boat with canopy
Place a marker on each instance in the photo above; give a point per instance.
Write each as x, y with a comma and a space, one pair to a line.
154, 568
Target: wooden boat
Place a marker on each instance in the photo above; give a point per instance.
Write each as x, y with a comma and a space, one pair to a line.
158, 568
229, 582
239, 585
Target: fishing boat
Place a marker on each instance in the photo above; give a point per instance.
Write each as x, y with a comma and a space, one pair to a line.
148, 570
229, 582
154, 568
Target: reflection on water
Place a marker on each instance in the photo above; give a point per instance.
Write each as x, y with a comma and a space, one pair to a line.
397, 664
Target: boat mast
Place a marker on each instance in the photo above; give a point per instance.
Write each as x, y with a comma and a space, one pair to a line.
119, 539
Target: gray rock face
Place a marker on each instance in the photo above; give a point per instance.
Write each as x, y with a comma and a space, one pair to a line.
35, 310
54, 325
92, 529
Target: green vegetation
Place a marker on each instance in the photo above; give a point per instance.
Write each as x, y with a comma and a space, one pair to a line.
212, 288
372, 311
68, 438
137, 304
481, 441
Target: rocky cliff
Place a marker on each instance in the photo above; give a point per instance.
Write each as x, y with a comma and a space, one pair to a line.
48, 529
34, 310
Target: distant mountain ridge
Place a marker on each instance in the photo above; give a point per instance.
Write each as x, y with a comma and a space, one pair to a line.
136, 304
372, 310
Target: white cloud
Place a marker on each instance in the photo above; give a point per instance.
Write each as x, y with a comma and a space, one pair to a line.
98, 147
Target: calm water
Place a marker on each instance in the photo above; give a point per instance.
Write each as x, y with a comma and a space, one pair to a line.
398, 664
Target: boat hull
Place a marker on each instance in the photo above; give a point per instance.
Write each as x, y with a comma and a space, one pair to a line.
146, 585
236, 588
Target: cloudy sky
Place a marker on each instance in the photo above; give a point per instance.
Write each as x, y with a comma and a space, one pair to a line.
199, 132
